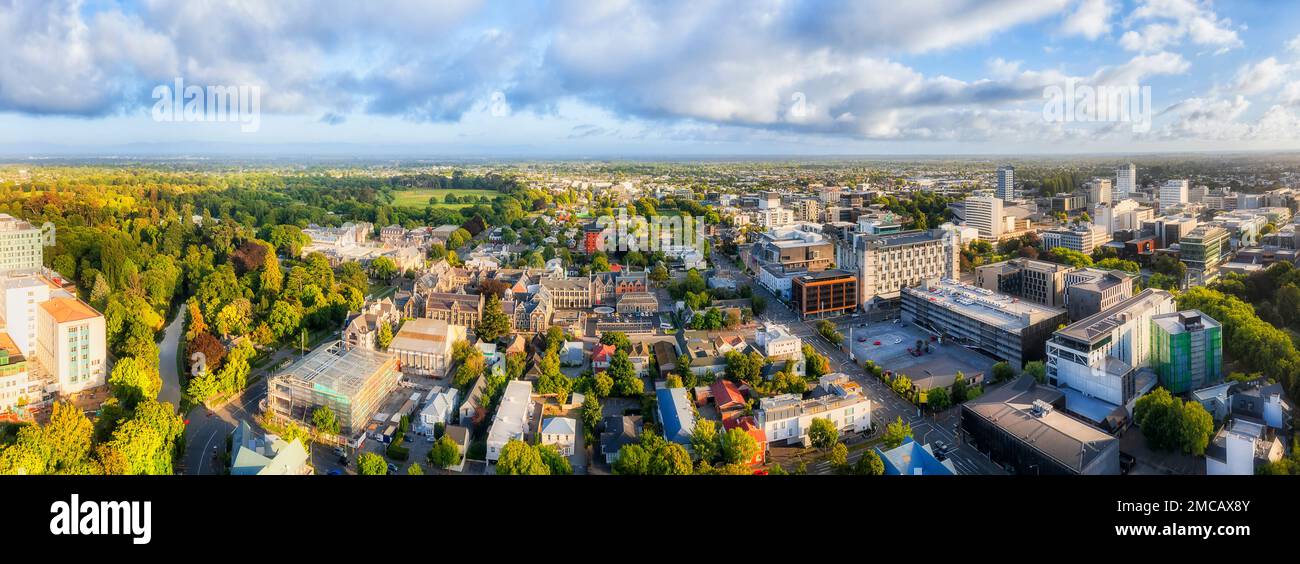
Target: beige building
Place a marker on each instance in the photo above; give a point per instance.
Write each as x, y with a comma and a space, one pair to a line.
1034, 280
14, 379
20, 245
71, 344
423, 346
888, 263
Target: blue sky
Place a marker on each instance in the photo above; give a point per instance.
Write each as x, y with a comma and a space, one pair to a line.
629, 77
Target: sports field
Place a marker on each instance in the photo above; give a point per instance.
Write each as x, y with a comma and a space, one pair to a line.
419, 198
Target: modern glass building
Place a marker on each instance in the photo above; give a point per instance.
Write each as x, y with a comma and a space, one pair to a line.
1186, 350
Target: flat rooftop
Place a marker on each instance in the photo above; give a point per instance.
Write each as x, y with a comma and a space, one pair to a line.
1012, 408
999, 310
1101, 324
337, 369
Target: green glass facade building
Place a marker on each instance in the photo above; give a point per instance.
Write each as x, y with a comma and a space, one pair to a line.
1186, 350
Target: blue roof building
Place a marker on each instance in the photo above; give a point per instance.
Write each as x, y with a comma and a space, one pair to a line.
676, 414
912, 459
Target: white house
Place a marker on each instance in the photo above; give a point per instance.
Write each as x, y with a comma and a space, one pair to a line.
511, 421
1239, 446
561, 432
788, 417
441, 406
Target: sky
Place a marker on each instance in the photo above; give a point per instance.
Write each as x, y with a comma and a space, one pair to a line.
645, 78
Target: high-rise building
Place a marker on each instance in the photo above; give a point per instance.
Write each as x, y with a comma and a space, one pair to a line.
1186, 350
1125, 181
984, 213
1034, 280
1098, 191
1173, 193
1006, 183
20, 245
1082, 237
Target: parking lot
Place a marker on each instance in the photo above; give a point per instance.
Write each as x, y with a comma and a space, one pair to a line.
896, 338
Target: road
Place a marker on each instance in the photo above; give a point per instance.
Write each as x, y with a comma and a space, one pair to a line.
208, 428
886, 406
171, 378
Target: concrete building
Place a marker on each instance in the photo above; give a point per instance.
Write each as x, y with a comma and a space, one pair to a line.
511, 420
351, 382
1007, 183
1100, 356
1098, 191
23, 296
1186, 350
1125, 181
560, 432
1120, 215
1173, 193
984, 213
829, 292
788, 417
888, 263
1240, 446
71, 344
424, 346
1021, 425
776, 341
1203, 250
1090, 291
1038, 281
20, 245
14, 378
1000, 325
1082, 237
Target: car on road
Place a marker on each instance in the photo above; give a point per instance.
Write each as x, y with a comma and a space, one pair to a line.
862, 339
392, 468
335, 472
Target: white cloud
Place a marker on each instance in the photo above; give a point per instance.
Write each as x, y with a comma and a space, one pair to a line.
1260, 77
1173, 21
1090, 19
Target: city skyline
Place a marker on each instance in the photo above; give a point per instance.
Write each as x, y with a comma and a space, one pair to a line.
641, 79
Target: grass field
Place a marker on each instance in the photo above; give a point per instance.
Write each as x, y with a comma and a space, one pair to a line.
420, 198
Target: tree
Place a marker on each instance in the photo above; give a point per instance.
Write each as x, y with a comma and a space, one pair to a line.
822, 433
869, 465
618, 339
494, 323
284, 320
633, 460
1003, 372
704, 440
938, 399
591, 414
828, 330
737, 446
371, 464
134, 380
67, 438
383, 268
555, 462
445, 453
414, 469
839, 457
518, 458
670, 460
1038, 370
325, 421
816, 365
896, 433
1169, 423
384, 336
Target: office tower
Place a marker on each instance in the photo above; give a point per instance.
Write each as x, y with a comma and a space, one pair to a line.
20, 245
1098, 191
984, 212
1125, 181
1172, 193
1006, 183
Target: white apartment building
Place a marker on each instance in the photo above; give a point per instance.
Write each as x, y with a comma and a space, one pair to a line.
1079, 237
787, 417
71, 344
1121, 215
20, 245
1173, 193
22, 296
888, 263
984, 213
1098, 356
1006, 183
1125, 181
1239, 446
777, 341
774, 217
511, 420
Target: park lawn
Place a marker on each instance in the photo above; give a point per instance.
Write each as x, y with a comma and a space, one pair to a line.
419, 198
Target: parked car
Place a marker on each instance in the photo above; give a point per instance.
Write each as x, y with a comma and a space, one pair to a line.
392, 468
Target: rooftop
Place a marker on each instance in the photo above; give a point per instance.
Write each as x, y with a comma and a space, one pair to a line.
337, 369
999, 310
65, 310
1018, 409
1099, 325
